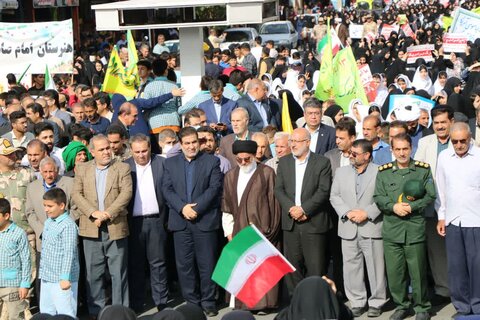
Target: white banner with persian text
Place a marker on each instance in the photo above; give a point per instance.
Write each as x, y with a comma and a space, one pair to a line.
466, 23
38, 45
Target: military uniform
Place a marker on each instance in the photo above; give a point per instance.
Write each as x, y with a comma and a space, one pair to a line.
404, 237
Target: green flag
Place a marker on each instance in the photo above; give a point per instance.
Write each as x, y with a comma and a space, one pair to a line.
346, 83
325, 83
49, 83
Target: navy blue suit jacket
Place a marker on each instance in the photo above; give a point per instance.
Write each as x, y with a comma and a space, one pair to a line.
326, 139
157, 172
207, 191
255, 123
227, 107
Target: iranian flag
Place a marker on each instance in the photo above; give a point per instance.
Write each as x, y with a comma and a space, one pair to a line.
335, 42
49, 83
250, 266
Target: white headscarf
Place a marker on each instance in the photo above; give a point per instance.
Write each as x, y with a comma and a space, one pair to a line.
361, 111
420, 83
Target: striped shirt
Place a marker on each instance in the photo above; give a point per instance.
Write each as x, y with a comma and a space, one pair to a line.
59, 260
165, 114
14, 258
198, 98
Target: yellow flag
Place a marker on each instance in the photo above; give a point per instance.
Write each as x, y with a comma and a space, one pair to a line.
286, 121
447, 22
476, 10
116, 81
132, 69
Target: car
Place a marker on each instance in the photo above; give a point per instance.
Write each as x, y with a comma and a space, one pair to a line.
282, 33
239, 35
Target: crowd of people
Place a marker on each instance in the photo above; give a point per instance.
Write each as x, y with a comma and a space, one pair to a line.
101, 196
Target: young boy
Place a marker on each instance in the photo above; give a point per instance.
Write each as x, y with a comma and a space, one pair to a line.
14, 265
59, 267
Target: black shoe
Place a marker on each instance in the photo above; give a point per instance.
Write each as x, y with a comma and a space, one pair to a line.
160, 307
210, 312
438, 300
374, 312
422, 316
399, 314
358, 311
459, 314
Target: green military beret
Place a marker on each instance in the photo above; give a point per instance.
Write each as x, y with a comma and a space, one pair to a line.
413, 190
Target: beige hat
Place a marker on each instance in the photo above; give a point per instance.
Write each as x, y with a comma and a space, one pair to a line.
6, 147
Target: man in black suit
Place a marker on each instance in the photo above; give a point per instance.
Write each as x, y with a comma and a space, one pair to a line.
303, 189
192, 187
261, 110
146, 212
322, 135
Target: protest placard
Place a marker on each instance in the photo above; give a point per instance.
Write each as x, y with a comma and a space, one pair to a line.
355, 30
423, 51
387, 29
367, 82
454, 42
467, 23
402, 100
36, 44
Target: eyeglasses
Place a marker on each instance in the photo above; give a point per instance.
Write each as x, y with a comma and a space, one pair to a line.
297, 141
355, 154
461, 141
242, 160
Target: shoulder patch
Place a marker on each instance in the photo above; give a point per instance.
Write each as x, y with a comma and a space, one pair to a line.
422, 164
385, 166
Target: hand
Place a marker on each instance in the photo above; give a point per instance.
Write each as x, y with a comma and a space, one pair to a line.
357, 215
178, 92
65, 284
98, 223
401, 209
441, 228
188, 212
296, 212
22, 293
331, 284
221, 127
98, 215
302, 218
229, 237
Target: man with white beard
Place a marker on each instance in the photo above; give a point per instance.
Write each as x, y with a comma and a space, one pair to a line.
248, 198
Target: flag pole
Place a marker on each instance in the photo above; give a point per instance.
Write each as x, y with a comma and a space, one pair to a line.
23, 74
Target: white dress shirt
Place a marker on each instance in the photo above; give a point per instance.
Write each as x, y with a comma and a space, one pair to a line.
313, 139
145, 196
300, 167
218, 110
458, 185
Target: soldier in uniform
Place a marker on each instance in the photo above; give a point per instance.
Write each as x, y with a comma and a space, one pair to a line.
403, 190
13, 187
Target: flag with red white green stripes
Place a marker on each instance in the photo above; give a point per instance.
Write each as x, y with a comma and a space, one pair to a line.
250, 266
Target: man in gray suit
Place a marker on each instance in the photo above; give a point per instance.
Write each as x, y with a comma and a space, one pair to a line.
360, 227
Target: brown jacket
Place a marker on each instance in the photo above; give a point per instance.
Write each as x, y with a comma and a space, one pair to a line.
118, 192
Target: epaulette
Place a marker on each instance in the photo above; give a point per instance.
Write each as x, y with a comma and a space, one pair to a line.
422, 164
385, 166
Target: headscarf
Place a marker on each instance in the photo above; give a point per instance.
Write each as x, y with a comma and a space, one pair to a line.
406, 79
420, 83
313, 299
116, 312
191, 312
332, 111
437, 87
70, 152
238, 315
451, 84
362, 111
382, 92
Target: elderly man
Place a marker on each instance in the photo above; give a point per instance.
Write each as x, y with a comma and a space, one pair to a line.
192, 187
360, 227
261, 111
457, 178
282, 148
34, 210
148, 236
303, 189
248, 198
239, 120
127, 116
102, 191
262, 146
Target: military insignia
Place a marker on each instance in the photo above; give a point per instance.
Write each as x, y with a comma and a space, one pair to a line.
426, 165
410, 198
7, 143
390, 165
2, 195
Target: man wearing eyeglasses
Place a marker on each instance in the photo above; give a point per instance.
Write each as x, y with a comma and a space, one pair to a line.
303, 189
458, 183
248, 198
404, 188
360, 227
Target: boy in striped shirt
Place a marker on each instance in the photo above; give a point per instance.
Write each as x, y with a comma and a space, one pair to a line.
14, 265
